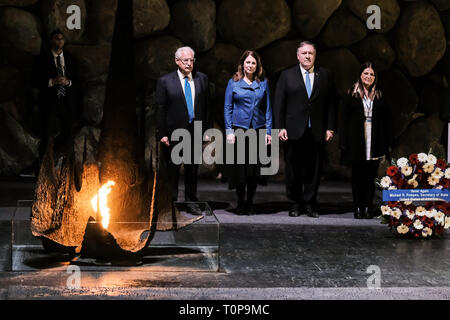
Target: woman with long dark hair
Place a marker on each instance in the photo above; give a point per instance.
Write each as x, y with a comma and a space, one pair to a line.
246, 107
365, 137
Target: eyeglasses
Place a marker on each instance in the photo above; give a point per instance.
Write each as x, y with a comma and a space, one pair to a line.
184, 61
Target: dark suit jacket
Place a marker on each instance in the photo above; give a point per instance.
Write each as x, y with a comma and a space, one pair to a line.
293, 108
444, 114
351, 130
45, 69
171, 107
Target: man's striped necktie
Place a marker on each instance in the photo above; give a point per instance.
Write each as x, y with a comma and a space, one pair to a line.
61, 92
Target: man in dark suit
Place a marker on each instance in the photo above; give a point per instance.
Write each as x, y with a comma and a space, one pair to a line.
55, 75
445, 113
304, 114
182, 97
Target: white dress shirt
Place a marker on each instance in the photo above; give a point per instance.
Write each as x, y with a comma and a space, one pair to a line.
191, 83
311, 75
368, 106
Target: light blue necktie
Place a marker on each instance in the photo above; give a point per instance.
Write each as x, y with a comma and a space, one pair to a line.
188, 97
308, 84
308, 91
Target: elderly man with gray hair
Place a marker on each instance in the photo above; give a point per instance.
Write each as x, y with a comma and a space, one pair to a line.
182, 97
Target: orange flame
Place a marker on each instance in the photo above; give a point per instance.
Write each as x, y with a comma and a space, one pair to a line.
99, 201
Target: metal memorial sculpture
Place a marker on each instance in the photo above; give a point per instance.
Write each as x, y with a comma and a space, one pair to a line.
120, 203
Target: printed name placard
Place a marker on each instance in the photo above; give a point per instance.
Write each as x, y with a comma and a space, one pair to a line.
416, 195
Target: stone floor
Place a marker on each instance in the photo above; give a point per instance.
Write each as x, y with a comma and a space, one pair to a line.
266, 256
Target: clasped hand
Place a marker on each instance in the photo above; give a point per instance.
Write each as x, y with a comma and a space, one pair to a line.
60, 80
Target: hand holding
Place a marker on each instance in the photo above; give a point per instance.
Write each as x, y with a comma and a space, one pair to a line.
65, 81
58, 80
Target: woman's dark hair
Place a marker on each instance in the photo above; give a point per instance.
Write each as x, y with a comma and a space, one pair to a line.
259, 73
357, 89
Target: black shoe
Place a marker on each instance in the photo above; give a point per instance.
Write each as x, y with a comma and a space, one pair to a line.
357, 213
240, 210
367, 214
310, 212
294, 211
250, 209
193, 209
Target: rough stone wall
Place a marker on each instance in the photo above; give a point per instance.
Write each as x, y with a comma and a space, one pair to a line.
410, 51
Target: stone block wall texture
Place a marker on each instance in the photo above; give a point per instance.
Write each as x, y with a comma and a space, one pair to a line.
410, 51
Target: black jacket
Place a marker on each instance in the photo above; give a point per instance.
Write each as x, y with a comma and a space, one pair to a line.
171, 108
44, 70
293, 108
351, 130
445, 117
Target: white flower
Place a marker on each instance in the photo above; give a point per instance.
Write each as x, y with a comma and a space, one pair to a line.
407, 202
430, 213
396, 213
402, 162
428, 167
440, 217
385, 210
402, 229
432, 180
413, 183
431, 159
426, 232
447, 173
437, 173
418, 225
410, 214
422, 157
447, 223
392, 188
407, 170
420, 211
385, 182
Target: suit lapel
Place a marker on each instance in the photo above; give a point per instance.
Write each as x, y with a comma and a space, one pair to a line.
51, 61
197, 89
301, 81
67, 65
316, 85
179, 88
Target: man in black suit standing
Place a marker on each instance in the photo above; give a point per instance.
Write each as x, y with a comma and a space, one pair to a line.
304, 113
182, 97
55, 75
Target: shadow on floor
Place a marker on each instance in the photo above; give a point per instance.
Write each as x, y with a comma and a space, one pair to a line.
218, 205
275, 207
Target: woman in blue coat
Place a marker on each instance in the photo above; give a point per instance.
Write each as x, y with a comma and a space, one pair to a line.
247, 107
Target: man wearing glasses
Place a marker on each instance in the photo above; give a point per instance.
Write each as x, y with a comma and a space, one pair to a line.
182, 97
